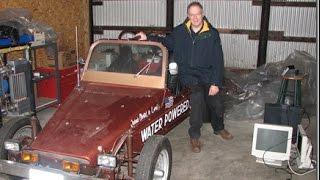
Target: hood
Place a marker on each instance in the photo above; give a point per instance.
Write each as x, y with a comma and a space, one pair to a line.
96, 115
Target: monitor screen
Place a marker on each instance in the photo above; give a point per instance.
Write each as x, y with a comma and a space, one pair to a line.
271, 143
272, 140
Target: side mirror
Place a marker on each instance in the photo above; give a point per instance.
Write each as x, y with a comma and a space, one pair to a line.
173, 68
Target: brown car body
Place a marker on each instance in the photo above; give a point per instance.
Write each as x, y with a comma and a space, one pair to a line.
110, 113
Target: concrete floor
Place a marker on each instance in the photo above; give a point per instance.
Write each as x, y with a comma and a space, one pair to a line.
219, 159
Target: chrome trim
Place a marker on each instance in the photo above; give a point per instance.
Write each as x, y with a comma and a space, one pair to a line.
61, 157
22, 170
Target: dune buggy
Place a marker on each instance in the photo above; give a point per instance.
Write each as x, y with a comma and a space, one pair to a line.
112, 126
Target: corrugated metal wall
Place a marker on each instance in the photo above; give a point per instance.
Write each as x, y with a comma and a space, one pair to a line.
278, 50
223, 13
294, 21
107, 35
300, 0
131, 13
239, 50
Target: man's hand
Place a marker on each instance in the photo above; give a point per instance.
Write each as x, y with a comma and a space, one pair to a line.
213, 90
142, 35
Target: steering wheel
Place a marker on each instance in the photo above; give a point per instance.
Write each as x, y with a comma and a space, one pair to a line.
126, 35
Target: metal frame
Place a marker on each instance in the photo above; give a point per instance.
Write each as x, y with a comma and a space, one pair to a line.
29, 54
127, 79
56, 75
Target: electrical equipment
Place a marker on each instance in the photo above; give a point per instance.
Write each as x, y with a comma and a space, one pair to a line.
15, 93
304, 149
271, 144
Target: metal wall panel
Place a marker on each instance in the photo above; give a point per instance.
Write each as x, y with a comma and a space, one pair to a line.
239, 51
301, 0
130, 13
294, 21
223, 13
107, 35
278, 51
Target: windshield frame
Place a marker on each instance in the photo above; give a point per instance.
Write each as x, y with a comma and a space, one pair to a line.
123, 78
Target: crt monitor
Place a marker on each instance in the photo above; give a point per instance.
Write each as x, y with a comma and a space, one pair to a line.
271, 144
304, 147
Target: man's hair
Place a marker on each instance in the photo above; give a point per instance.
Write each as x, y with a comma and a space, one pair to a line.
194, 3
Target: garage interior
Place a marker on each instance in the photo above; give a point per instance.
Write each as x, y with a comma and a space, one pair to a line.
260, 38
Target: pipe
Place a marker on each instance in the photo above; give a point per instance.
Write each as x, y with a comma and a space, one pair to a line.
34, 122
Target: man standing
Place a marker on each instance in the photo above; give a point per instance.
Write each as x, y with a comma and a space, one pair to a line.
197, 50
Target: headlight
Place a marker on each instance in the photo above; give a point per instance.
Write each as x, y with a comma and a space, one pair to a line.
70, 166
12, 145
107, 160
29, 157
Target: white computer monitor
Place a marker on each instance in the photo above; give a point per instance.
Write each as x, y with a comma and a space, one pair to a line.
304, 147
271, 144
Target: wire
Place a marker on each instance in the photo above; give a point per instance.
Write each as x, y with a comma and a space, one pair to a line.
294, 160
300, 174
309, 120
271, 147
289, 165
290, 171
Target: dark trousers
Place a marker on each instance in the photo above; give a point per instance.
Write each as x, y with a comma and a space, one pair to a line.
199, 100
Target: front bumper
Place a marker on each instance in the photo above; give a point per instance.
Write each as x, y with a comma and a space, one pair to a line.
22, 170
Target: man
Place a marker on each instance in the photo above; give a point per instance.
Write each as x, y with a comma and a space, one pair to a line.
197, 50
125, 62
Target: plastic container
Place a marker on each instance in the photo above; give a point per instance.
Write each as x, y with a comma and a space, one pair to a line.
5, 42
24, 39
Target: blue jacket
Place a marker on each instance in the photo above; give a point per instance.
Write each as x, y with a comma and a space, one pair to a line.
200, 59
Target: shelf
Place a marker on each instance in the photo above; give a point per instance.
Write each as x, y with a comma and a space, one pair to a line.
11, 49
30, 55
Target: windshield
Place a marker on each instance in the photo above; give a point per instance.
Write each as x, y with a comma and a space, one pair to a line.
136, 59
130, 63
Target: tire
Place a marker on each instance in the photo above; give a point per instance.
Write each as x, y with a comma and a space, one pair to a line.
156, 155
10, 129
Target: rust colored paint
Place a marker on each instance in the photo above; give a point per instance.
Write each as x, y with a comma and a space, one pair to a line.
96, 115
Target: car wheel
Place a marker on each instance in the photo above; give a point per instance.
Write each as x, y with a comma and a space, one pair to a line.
155, 160
15, 129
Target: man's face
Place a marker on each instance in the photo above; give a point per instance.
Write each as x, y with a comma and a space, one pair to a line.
195, 15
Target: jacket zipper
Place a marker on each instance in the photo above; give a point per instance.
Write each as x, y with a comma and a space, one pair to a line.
192, 50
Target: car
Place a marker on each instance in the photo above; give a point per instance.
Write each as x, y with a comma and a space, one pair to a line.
112, 125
